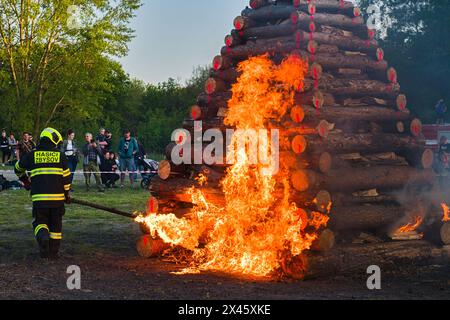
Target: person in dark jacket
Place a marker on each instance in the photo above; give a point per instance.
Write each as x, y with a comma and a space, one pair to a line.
4, 148
46, 172
108, 169
441, 110
71, 151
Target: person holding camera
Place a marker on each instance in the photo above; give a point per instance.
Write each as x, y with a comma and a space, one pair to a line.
91, 162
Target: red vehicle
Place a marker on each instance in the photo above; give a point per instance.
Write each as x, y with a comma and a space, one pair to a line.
434, 132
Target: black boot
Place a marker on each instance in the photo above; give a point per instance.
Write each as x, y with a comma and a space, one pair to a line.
54, 249
43, 240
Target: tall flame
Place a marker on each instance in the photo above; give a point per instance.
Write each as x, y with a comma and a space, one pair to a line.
256, 228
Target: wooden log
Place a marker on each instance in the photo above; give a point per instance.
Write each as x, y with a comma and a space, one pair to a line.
256, 4
353, 88
242, 22
422, 158
344, 43
342, 114
325, 242
214, 85
221, 63
329, 61
216, 100
320, 162
267, 32
267, 13
316, 98
355, 25
282, 11
445, 233
381, 177
364, 217
147, 247
168, 169
232, 40
340, 199
229, 75
337, 143
331, 6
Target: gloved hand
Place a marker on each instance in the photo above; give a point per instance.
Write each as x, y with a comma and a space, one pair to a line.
68, 199
26, 183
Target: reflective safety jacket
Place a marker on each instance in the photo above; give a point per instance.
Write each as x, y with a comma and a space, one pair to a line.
50, 176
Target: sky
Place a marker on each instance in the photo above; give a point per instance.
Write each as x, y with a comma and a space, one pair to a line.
174, 36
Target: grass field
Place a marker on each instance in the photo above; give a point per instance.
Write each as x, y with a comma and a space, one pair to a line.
103, 246
85, 230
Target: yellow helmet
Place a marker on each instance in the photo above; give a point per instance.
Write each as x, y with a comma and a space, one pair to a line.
53, 135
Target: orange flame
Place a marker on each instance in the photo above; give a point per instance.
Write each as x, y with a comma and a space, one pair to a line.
256, 228
412, 226
446, 210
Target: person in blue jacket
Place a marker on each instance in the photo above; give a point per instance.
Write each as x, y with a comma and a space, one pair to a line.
441, 110
128, 147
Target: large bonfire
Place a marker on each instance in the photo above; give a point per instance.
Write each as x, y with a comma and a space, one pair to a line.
258, 225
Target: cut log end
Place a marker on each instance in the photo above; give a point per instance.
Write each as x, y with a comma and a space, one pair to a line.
196, 112
416, 127
427, 159
213, 85
147, 247
402, 102
324, 128
325, 242
316, 71
445, 233
297, 114
299, 144
302, 180
325, 162
323, 201
221, 63
164, 170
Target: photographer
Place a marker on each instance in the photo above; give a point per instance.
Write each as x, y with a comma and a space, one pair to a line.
92, 159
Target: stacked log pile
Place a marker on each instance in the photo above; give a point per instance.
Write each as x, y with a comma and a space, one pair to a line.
350, 138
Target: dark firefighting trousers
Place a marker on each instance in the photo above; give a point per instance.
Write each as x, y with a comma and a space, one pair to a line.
47, 226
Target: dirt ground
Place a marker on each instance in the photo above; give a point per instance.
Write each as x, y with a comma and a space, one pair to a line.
103, 246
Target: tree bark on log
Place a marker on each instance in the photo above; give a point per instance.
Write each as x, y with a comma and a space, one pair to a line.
147, 247
381, 178
340, 199
329, 61
445, 233
355, 25
364, 143
353, 88
365, 217
342, 114
344, 43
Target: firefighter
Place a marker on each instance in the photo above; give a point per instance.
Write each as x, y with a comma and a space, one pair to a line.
46, 173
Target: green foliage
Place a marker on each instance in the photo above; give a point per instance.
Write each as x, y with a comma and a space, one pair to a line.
56, 58
417, 44
153, 112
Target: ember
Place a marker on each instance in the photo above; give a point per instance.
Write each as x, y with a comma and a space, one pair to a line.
253, 231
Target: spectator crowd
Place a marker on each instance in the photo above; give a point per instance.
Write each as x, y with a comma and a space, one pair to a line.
97, 156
